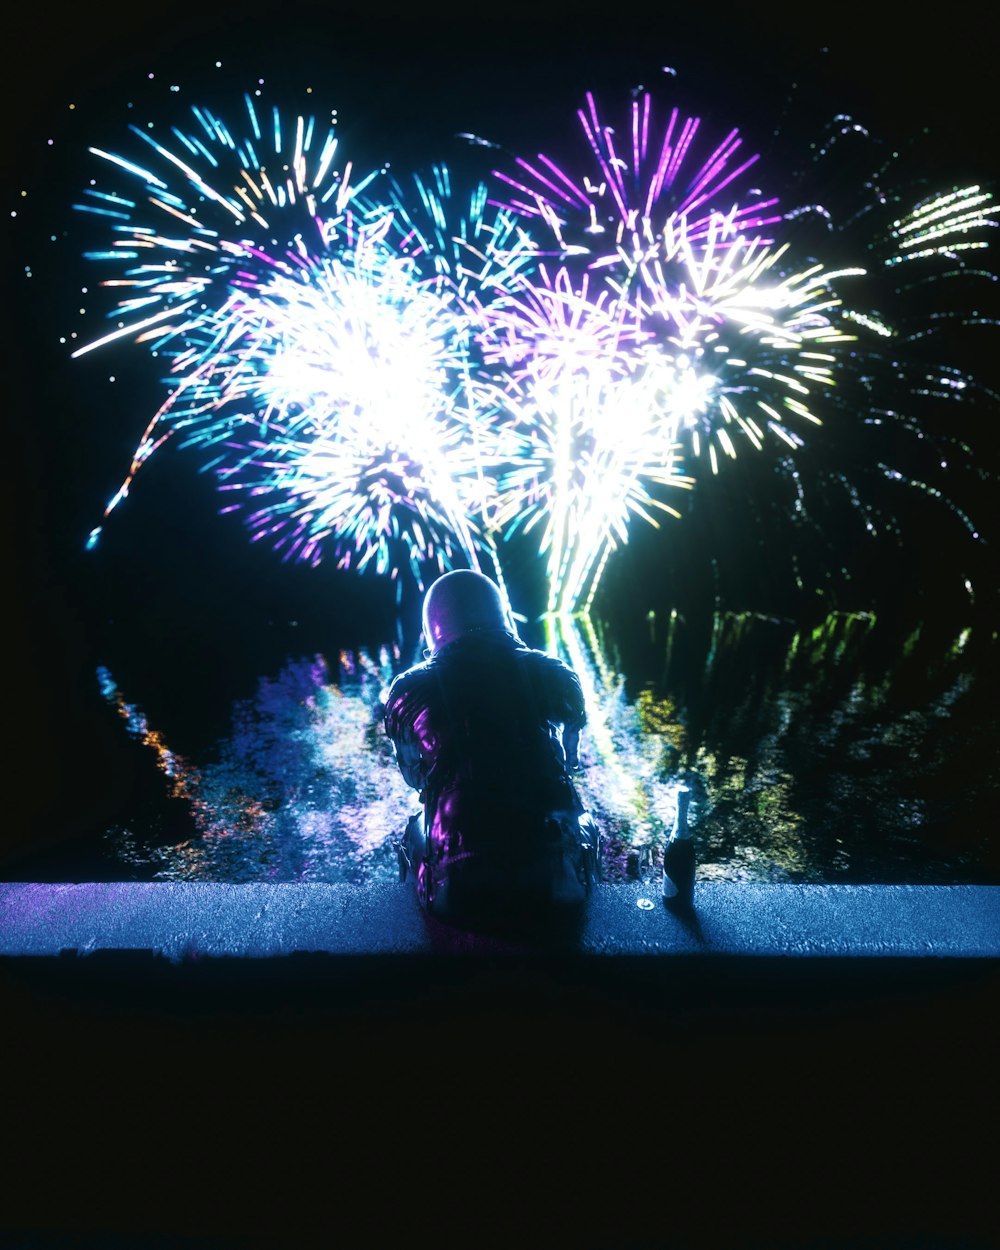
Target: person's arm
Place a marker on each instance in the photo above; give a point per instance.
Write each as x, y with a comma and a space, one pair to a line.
567, 709
403, 713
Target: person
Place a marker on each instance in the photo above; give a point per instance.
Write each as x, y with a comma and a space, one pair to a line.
487, 730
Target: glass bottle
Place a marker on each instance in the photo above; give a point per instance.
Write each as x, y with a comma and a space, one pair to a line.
679, 858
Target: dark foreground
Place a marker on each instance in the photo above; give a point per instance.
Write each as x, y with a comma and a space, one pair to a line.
470, 1097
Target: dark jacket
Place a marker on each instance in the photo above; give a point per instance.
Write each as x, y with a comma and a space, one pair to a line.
482, 729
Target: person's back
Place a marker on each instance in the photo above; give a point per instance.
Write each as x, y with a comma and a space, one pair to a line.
483, 729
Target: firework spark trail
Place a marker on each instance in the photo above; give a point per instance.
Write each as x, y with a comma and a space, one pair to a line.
589, 440
347, 408
657, 179
312, 331
181, 235
458, 241
941, 225
927, 269
452, 231
756, 337
742, 342
208, 206
322, 336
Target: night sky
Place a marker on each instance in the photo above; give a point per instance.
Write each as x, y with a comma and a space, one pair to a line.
404, 87
261, 1125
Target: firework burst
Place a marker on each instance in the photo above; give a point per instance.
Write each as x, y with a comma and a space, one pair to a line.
190, 212
648, 185
319, 346
384, 369
798, 332
190, 219
901, 445
343, 415
451, 231
742, 343
589, 433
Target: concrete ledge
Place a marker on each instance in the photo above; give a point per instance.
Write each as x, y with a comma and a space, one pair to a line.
182, 921
760, 1089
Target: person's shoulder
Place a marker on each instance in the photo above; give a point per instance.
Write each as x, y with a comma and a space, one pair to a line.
544, 662
532, 655
405, 688
409, 679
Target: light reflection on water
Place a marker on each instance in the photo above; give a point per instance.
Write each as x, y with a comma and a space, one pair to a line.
304, 789
812, 756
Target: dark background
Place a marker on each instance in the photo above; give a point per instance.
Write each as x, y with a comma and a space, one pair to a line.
175, 577
522, 1107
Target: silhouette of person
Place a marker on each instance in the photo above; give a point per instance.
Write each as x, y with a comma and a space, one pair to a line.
487, 730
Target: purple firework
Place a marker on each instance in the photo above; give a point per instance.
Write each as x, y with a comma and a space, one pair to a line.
658, 176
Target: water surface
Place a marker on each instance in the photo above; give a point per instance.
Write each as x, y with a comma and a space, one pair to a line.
847, 752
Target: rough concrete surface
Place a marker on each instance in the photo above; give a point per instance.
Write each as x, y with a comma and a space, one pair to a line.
198, 919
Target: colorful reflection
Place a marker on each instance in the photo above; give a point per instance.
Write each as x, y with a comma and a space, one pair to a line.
304, 789
832, 754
